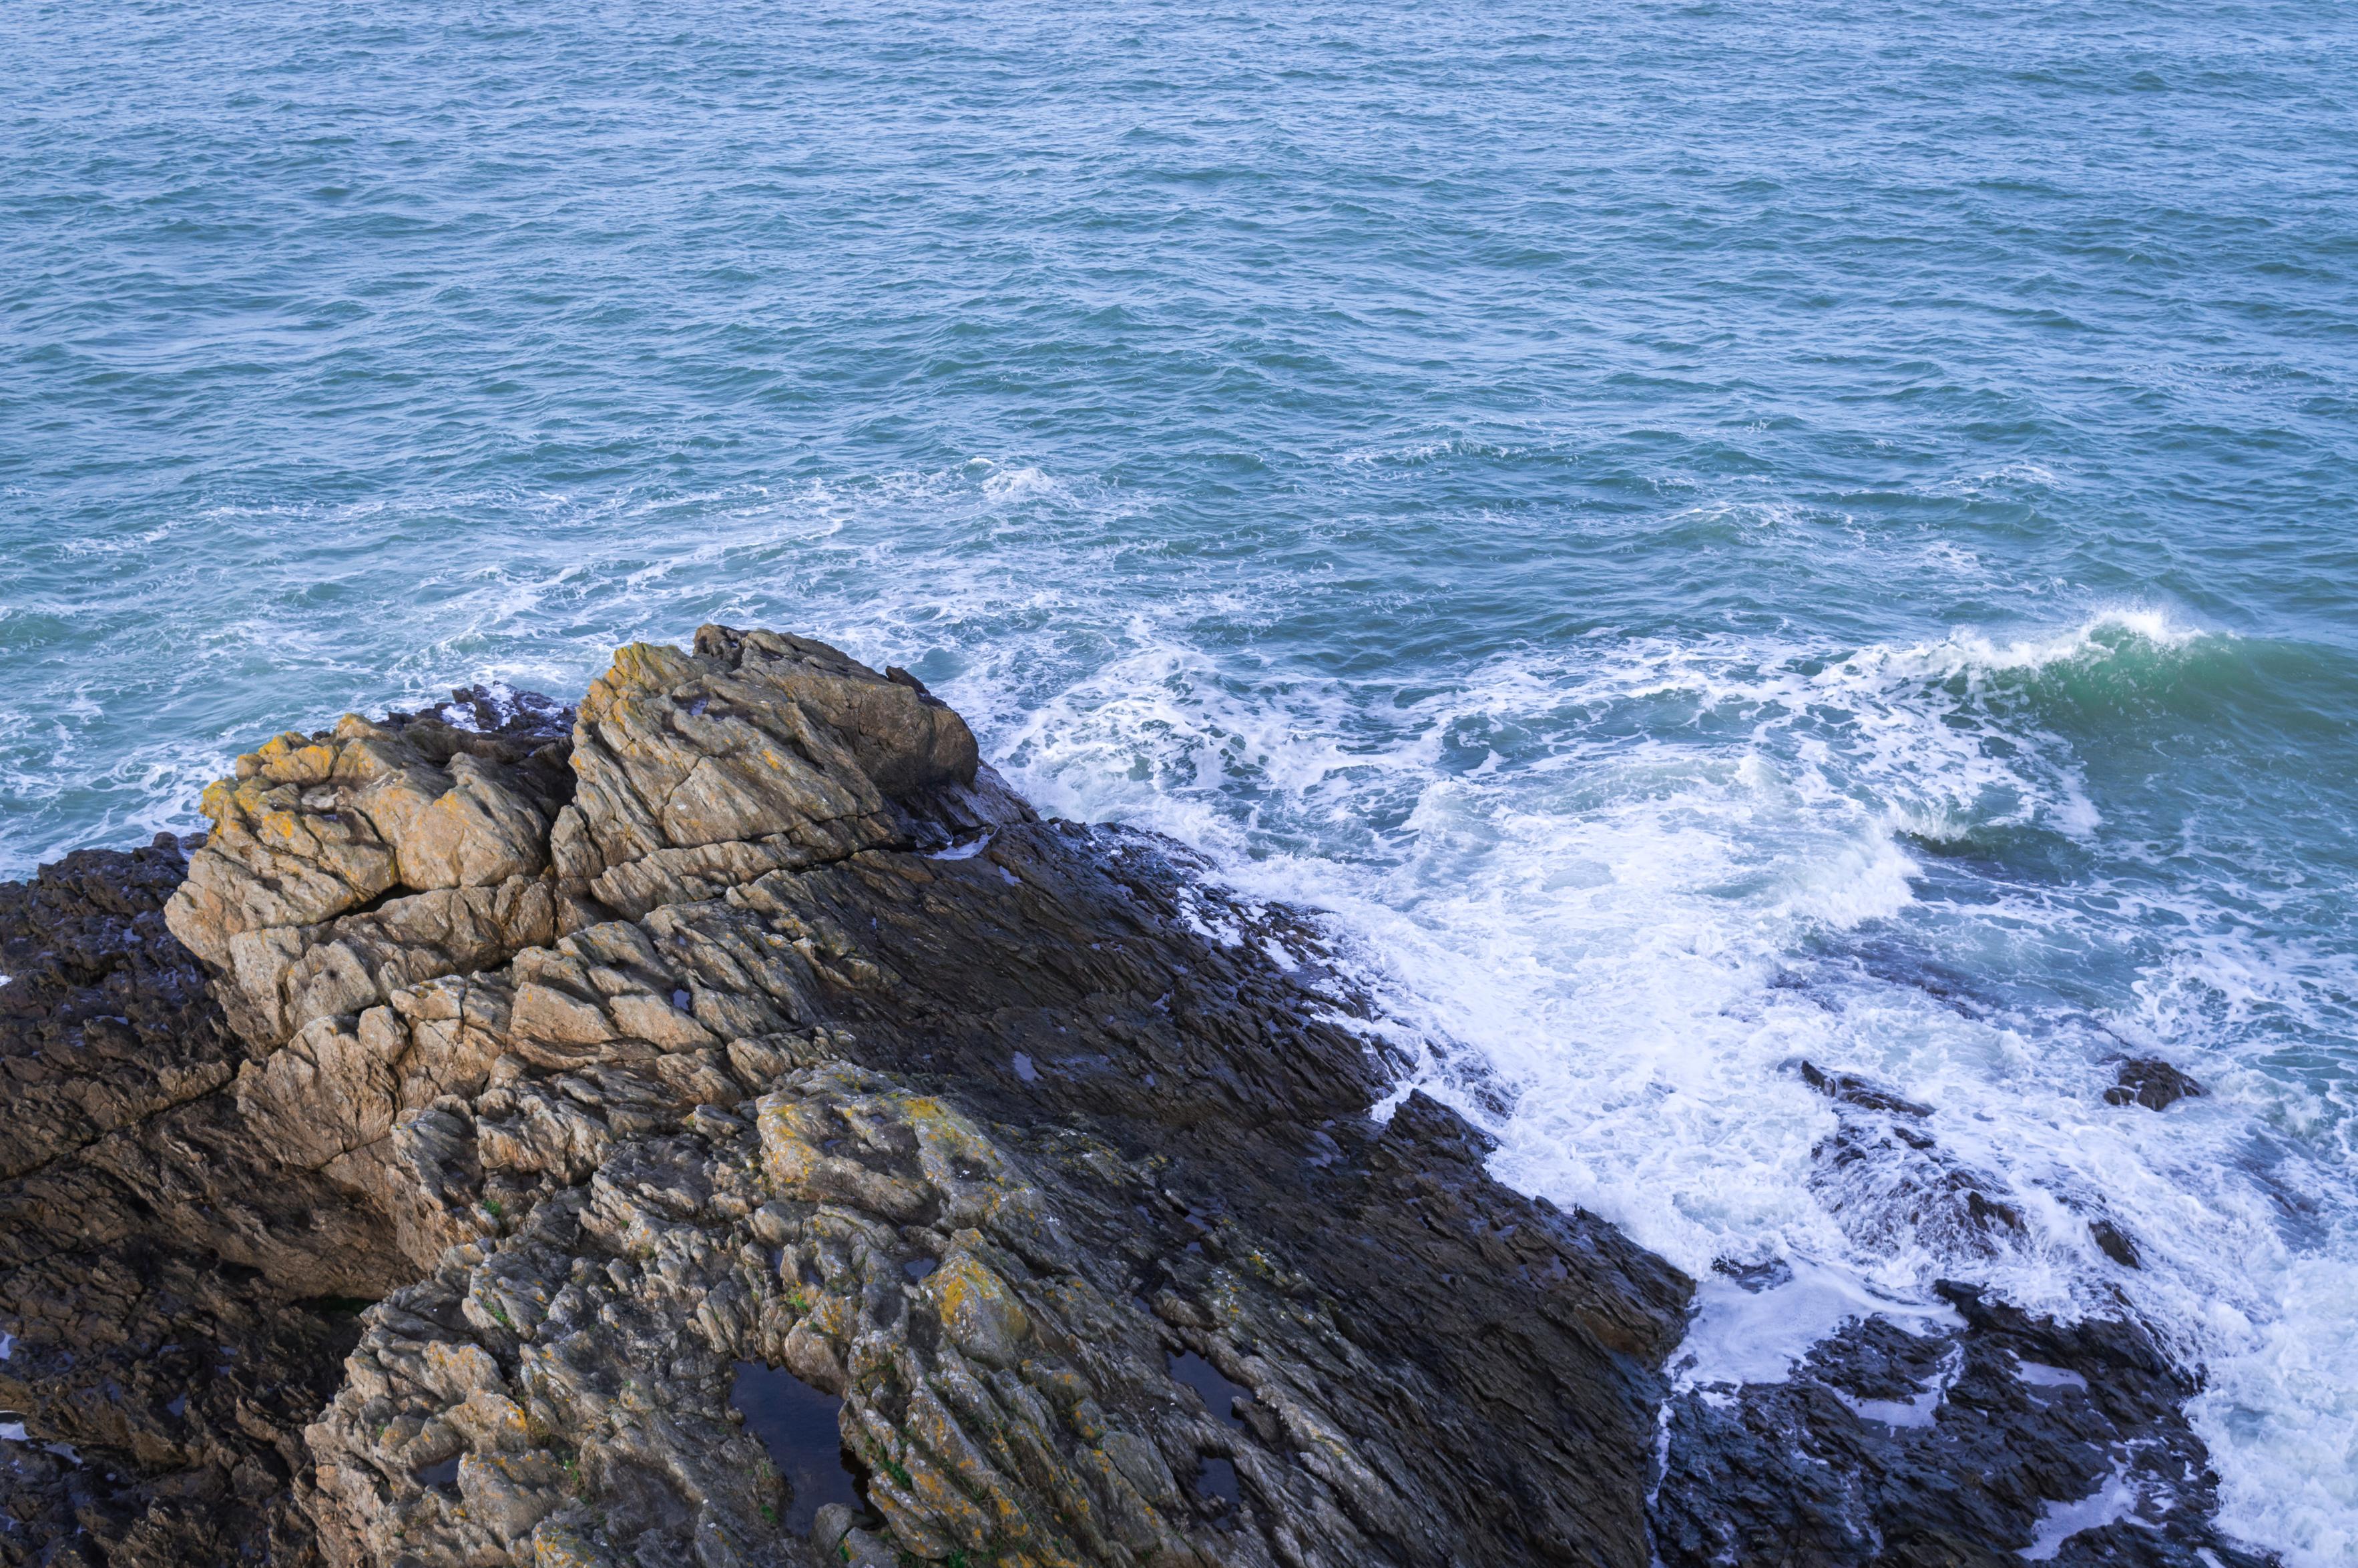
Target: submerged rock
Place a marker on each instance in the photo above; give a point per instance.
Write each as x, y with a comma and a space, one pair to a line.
421, 1167
2151, 1083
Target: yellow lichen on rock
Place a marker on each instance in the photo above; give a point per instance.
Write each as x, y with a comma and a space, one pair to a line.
312, 832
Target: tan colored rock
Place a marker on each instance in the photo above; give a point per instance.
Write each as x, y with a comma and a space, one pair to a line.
1038, 1426
279, 854
756, 753
340, 1083
289, 895
474, 830
301, 974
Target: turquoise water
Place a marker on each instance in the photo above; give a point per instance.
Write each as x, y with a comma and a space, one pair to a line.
1708, 535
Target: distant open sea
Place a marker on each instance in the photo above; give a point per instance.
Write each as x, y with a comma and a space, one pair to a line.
1707, 535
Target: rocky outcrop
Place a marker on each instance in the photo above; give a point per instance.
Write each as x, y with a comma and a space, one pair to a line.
754, 1022
2151, 1083
758, 752
517, 1091
344, 866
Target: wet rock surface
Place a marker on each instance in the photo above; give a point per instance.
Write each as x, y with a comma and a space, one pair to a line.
1981, 1434
2151, 1083
170, 1291
1992, 1439
435, 1162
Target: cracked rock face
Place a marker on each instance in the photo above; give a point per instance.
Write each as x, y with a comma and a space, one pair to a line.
744, 1016
347, 865
758, 752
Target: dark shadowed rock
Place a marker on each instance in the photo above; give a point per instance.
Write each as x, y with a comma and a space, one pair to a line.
1851, 1088
1971, 1445
173, 1291
2151, 1083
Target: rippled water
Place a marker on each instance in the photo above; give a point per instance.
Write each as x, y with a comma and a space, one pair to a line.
1710, 535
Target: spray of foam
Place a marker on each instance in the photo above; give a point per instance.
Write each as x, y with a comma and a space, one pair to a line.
1622, 894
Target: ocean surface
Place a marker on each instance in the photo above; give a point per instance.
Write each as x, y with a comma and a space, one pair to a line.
1709, 536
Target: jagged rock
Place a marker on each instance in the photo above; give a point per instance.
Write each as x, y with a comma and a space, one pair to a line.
1851, 1088
1946, 1445
758, 752
346, 863
1886, 1179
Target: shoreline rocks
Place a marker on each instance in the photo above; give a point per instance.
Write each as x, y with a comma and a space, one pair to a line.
409, 1175
1991, 1438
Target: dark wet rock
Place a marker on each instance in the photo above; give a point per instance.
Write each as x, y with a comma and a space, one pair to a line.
2151, 1083
1952, 1444
1765, 1274
2115, 1243
179, 1303
1221, 1396
499, 710
1887, 1180
1851, 1088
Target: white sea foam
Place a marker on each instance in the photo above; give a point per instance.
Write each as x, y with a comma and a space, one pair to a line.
964, 852
2038, 1375
1745, 1336
1604, 938
1629, 940
2282, 1418
2059, 1522
1019, 483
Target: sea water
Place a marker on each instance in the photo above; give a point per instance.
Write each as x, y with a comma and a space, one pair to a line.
1708, 536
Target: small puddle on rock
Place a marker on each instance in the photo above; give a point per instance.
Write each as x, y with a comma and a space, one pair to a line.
1218, 1478
1220, 1394
441, 1473
799, 1426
